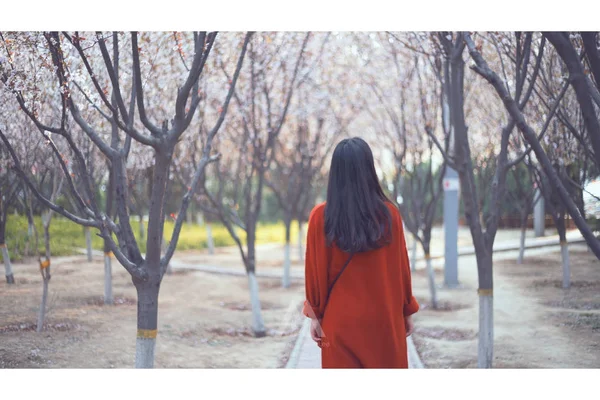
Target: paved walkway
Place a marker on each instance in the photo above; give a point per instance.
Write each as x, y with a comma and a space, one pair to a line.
306, 353
513, 242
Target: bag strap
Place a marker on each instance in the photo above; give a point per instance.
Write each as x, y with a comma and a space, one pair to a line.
337, 277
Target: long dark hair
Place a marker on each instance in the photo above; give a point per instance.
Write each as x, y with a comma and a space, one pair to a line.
357, 218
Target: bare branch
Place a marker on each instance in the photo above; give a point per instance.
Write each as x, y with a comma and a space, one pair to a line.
137, 76
225, 106
92, 102
192, 78
42, 199
484, 70
545, 128
204, 161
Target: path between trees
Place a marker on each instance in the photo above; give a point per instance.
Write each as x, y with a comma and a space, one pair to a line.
306, 353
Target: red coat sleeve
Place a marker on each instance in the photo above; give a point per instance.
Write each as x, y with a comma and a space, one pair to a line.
315, 271
411, 305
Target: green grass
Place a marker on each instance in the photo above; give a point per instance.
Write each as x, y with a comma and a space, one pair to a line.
66, 236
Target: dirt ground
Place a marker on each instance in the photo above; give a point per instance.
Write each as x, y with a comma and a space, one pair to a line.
537, 324
204, 320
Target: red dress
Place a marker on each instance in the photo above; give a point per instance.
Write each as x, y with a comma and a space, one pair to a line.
363, 324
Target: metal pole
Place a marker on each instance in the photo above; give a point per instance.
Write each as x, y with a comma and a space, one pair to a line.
451, 186
539, 215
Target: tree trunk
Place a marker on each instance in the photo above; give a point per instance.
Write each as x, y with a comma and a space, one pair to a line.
564, 251
209, 239
46, 225
300, 241
108, 296
483, 243
44, 268
45, 271
258, 326
486, 331
148, 288
485, 264
10, 279
431, 276
147, 321
31, 230
88, 243
42, 313
110, 200
539, 214
559, 222
286, 259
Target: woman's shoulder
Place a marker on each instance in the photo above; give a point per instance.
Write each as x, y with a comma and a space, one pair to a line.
317, 212
395, 214
393, 209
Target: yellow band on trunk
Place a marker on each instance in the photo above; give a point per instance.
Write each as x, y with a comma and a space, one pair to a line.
108, 253
44, 264
427, 256
2, 245
147, 333
485, 292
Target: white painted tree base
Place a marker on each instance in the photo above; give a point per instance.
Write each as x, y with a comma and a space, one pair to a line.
209, 239
413, 256
485, 352
564, 252
432, 287
88, 244
144, 352
42, 312
521, 248
7, 266
258, 325
286, 267
108, 296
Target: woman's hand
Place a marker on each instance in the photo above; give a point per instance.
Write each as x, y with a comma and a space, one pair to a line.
410, 326
316, 333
